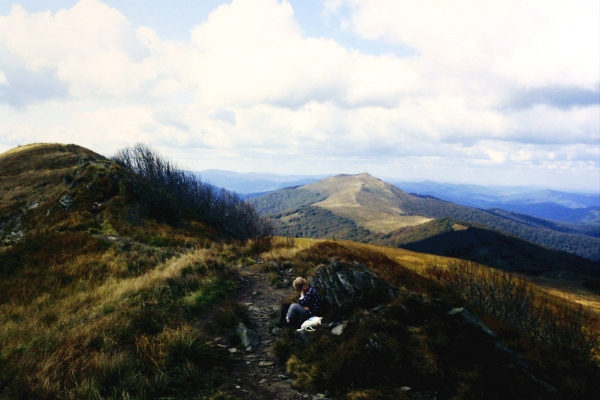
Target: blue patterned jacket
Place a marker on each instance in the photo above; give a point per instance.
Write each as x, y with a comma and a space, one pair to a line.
312, 300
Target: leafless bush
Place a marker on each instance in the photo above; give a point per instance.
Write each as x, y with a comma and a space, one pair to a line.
570, 330
567, 328
173, 195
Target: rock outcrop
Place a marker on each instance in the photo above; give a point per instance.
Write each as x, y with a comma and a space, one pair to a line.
471, 322
346, 286
248, 337
66, 201
479, 332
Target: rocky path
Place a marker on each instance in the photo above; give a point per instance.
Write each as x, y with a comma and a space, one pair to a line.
255, 374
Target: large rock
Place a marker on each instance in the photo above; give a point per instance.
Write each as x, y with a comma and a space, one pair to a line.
248, 337
302, 338
348, 286
472, 321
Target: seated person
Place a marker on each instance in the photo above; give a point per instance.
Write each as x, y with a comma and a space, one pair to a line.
309, 305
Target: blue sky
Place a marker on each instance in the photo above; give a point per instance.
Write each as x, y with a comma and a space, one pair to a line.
173, 20
492, 93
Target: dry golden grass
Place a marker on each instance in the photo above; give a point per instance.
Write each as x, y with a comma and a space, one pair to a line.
78, 329
35, 173
90, 321
410, 259
571, 291
22, 148
282, 250
559, 290
428, 346
370, 202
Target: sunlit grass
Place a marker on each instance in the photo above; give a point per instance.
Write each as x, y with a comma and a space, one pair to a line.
419, 346
48, 337
97, 303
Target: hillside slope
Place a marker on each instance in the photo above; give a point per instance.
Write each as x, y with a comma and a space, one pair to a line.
370, 202
103, 297
100, 287
367, 201
382, 208
474, 242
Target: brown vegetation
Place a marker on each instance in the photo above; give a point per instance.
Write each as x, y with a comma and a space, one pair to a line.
412, 343
99, 301
96, 299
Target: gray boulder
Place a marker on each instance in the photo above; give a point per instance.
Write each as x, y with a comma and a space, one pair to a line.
302, 338
66, 201
338, 330
248, 337
466, 317
347, 286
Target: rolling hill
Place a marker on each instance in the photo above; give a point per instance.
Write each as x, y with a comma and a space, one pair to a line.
103, 271
119, 282
368, 209
575, 208
578, 211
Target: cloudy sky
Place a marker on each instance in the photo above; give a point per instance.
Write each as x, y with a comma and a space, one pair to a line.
486, 92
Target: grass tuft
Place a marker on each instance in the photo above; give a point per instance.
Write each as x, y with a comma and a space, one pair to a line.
226, 317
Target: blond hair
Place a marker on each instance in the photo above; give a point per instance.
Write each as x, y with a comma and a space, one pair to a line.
299, 282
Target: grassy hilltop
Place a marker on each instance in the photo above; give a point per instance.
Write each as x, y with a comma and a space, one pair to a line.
108, 290
362, 207
99, 294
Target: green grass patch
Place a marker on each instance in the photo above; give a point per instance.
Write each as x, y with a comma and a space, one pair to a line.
212, 289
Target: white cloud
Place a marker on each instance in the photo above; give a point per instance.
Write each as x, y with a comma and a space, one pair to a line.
532, 43
497, 157
497, 84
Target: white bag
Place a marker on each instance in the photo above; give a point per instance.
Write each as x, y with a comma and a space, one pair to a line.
310, 324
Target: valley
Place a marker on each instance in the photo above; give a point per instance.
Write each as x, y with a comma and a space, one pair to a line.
367, 209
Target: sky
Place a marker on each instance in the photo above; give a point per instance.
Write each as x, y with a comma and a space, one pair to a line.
481, 92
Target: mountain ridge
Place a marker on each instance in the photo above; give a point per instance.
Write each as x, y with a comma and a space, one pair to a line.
370, 202
346, 196
550, 204
557, 205
103, 297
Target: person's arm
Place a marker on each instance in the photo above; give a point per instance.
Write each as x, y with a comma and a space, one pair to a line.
304, 301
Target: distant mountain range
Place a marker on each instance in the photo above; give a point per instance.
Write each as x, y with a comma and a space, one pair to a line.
540, 203
578, 208
254, 184
364, 208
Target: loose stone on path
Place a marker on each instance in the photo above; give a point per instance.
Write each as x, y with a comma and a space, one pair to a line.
261, 378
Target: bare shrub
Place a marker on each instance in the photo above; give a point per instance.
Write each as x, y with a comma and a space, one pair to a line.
172, 195
569, 329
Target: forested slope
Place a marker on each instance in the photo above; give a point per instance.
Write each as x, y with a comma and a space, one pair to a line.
584, 246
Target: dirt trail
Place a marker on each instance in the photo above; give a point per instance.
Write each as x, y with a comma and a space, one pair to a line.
255, 374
